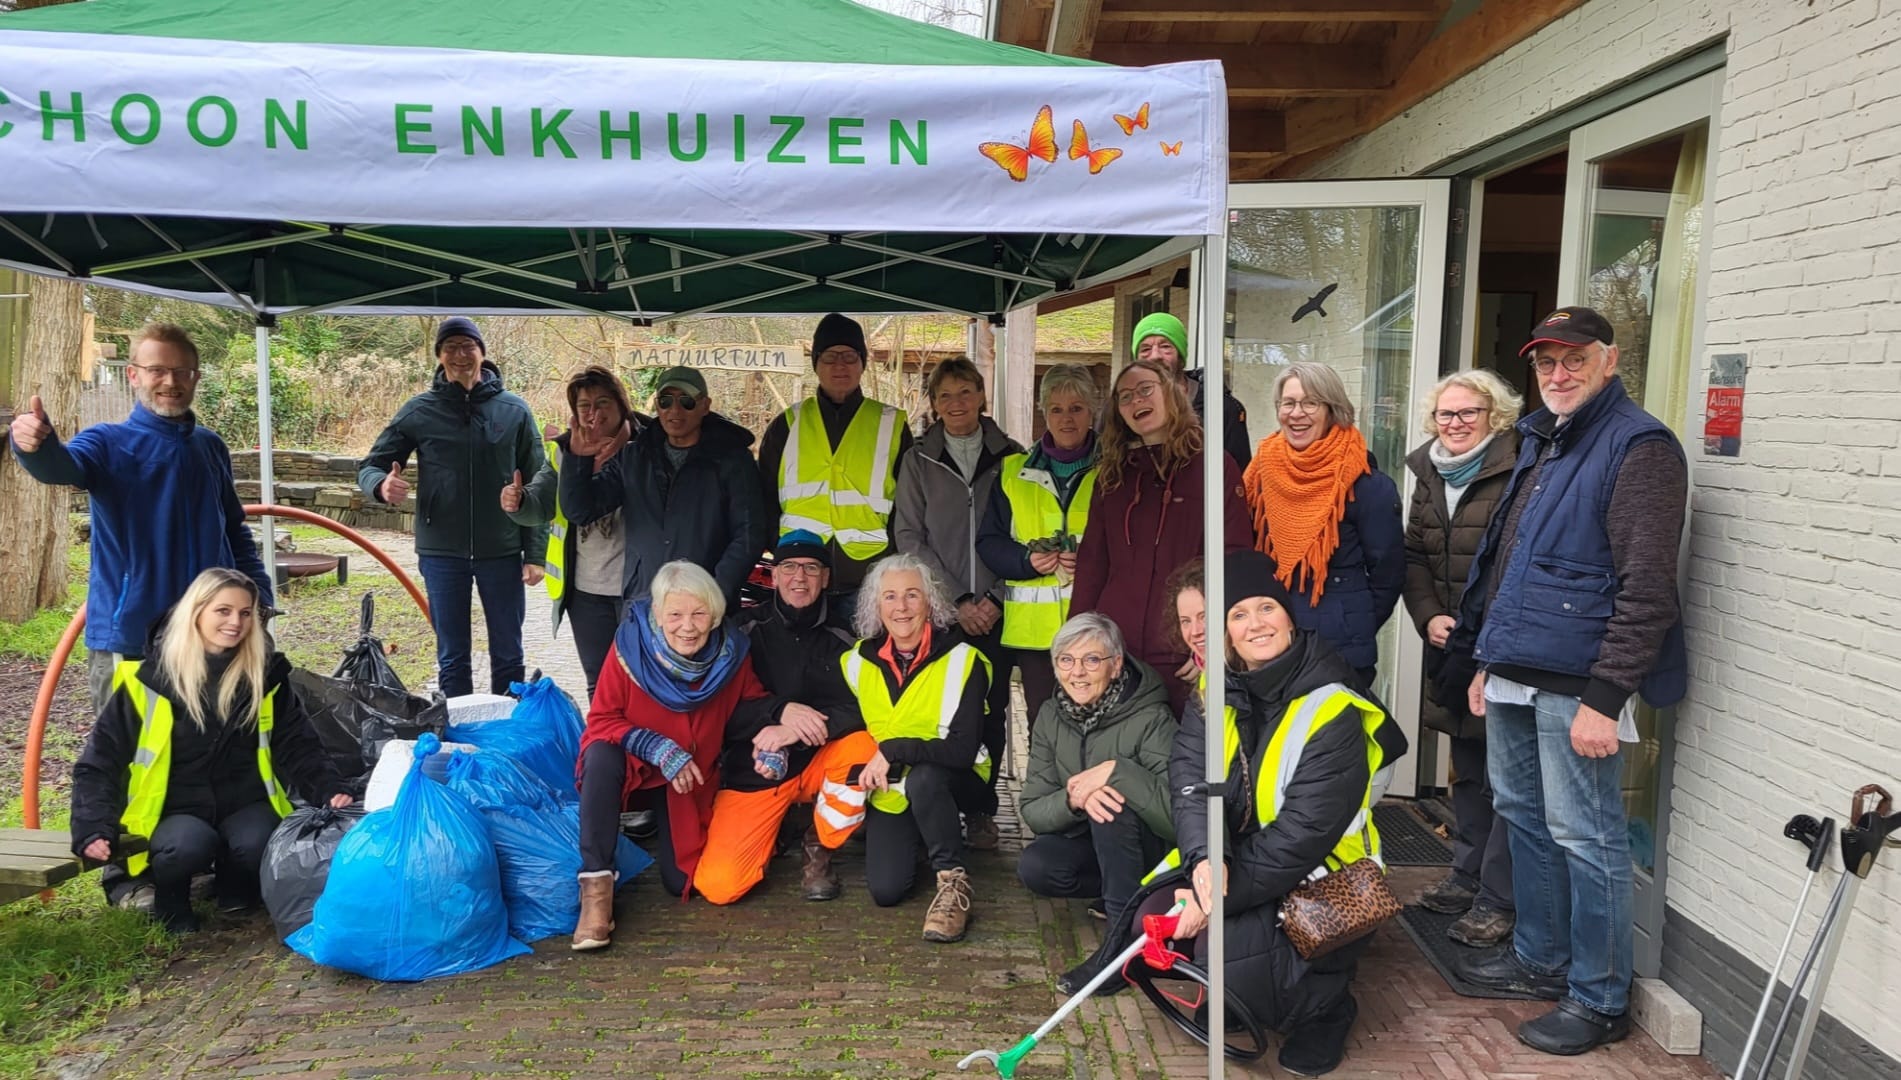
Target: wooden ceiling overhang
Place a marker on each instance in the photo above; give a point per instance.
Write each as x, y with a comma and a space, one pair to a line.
1304, 76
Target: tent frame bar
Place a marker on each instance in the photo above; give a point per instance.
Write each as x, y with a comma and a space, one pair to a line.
198, 265
949, 264
28, 239
237, 247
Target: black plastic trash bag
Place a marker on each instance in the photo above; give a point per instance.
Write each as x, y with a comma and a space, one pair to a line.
363, 705
297, 862
365, 663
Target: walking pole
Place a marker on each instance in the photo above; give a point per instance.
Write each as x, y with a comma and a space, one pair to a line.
1802, 976
1815, 836
1861, 842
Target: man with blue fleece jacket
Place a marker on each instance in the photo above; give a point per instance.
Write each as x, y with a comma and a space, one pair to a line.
164, 505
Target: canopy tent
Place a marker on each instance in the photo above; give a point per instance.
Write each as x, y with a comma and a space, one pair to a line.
632, 158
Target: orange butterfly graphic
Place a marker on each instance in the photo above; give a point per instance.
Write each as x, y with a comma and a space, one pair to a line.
1128, 124
1015, 159
1173, 149
1098, 159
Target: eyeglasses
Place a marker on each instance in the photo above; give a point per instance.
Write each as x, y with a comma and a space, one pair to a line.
1445, 417
1573, 362
686, 401
160, 373
1141, 391
1304, 408
1092, 662
466, 349
798, 569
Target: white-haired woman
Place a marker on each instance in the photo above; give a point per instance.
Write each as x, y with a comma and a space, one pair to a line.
673, 677
1462, 472
1034, 525
1097, 791
921, 689
174, 755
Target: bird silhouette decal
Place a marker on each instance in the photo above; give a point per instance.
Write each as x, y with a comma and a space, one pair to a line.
1313, 303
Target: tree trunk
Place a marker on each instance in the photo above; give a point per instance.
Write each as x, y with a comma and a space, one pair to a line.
35, 532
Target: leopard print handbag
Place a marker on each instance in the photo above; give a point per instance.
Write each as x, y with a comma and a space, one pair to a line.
1319, 916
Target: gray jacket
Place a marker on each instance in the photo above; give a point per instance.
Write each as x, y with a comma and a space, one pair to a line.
936, 513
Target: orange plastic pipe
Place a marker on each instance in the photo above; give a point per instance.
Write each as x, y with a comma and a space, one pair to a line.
49, 683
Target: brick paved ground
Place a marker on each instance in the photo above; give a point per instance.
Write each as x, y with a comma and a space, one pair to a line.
773, 987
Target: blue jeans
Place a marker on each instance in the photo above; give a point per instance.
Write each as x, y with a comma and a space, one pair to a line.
504, 603
1571, 875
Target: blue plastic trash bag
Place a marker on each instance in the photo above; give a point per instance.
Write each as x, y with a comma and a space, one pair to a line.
414, 890
543, 733
537, 843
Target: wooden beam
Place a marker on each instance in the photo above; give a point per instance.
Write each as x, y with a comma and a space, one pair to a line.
1073, 27
1466, 46
1257, 131
1257, 71
1254, 11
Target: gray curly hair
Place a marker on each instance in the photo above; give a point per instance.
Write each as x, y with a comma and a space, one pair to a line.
866, 621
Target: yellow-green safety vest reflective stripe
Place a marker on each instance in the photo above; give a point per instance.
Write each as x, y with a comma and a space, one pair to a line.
1306, 715
152, 762
1035, 608
555, 567
843, 495
923, 710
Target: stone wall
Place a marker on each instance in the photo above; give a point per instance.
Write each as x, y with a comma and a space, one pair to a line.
321, 483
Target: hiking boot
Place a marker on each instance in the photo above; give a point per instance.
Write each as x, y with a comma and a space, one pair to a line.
950, 908
1452, 896
821, 881
595, 928
1482, 927
1317, 1047
980, 832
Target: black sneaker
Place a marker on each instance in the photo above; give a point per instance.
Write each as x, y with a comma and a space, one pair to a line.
1078, 977
640, 825
1317, 1047
1452, 896
1573, 1028
1098, 911
1503, 971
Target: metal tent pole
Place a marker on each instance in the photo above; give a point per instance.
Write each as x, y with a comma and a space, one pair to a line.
1209, 268
265, 493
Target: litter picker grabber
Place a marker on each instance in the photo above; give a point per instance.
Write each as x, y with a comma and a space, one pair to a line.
1815, 836
1871, 826
1007, 1061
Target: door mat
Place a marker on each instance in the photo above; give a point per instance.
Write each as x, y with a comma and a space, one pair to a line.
1428, 931
1407, 841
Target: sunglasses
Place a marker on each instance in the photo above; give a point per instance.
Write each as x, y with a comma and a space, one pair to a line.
668, 400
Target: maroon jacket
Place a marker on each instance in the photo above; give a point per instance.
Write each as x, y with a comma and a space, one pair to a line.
1137, 535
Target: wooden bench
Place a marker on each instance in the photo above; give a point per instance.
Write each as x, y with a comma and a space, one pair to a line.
34, 860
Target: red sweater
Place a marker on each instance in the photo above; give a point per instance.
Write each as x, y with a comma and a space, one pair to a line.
1136, 536
620, 705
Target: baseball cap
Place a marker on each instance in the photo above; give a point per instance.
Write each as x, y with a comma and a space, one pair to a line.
682, 378
1570, 326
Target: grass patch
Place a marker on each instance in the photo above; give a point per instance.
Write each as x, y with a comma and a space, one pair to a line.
37, 636
64, 964
321, 620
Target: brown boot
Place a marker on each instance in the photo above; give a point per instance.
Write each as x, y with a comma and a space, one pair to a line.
595, 929
980, 832
950, 909
821, 881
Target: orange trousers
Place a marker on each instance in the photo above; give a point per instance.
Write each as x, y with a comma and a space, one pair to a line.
746, 823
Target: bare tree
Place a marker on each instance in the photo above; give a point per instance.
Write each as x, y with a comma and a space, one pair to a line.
34, 531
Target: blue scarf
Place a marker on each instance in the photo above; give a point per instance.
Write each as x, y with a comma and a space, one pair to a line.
678, 683
1459, 471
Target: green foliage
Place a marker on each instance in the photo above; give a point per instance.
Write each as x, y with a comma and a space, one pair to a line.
227, 393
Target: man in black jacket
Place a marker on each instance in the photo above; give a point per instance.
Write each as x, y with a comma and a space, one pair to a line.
686, 487
470, 437
807, 754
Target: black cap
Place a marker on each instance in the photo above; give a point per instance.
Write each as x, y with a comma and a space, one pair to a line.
836, 329
1570, 326
1247, 574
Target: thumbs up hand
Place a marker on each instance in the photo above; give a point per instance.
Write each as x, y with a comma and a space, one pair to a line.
31, 429
511, 494
395, 489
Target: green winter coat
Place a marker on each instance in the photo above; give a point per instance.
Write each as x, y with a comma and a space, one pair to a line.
1137, 733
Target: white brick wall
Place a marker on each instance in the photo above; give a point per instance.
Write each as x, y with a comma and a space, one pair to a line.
1794, 593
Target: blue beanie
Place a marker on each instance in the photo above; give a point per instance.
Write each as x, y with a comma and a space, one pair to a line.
802, 544
456, 325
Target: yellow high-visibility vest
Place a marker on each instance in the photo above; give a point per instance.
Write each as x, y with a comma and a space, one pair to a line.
555, 564
843, 495
152, 763
1306, 715
1035, 608
923, 710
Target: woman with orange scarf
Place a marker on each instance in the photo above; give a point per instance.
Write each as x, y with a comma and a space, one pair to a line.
1327, 517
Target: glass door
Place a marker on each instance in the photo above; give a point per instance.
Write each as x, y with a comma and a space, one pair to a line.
1637, 200
1350, 274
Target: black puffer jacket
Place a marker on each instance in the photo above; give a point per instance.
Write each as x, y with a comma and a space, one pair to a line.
1439, 551
467, 443
711, 512
795, 653
1265, 863
214, 771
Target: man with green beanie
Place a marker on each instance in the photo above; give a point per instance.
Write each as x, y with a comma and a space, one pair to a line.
1162, 338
